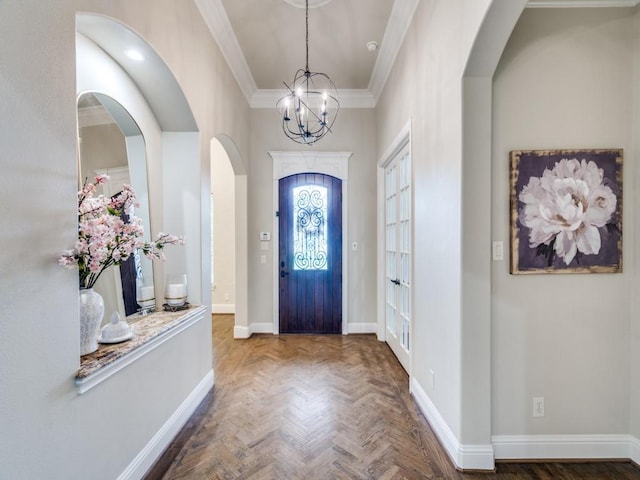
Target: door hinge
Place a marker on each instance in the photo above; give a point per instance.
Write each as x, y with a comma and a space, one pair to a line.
277, 213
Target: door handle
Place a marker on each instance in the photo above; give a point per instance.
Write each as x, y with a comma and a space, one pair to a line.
396, 281
283, 273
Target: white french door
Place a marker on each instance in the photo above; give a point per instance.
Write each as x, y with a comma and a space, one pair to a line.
398, 208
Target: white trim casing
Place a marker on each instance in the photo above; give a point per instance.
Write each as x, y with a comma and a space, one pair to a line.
335, 164
464, 457
402, 139
152, 450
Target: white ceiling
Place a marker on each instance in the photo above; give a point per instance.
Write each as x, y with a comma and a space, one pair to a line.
264, 43
271, 34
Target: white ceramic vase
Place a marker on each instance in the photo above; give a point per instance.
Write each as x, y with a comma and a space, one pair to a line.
91, 313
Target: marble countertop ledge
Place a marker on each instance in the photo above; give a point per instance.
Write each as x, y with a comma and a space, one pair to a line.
146, 328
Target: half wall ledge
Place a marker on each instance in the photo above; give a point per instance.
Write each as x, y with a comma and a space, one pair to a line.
150, 331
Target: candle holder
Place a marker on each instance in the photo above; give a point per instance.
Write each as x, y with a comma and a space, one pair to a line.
175, 292
146, 298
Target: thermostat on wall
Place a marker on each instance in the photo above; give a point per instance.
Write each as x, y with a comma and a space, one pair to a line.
265, 236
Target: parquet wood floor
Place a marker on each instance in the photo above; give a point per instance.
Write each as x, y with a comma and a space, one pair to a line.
322, 407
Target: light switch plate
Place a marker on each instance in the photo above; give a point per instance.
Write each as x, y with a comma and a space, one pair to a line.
498, 251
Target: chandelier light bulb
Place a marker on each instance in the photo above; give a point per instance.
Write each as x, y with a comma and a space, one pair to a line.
286, 110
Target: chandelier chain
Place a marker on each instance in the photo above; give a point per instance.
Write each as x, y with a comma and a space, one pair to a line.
307, 37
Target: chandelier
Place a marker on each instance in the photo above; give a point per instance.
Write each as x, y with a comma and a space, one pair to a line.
310, 106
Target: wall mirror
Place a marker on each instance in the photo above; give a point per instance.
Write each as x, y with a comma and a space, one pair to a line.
110, 142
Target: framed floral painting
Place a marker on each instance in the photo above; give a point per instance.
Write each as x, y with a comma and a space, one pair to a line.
566, 211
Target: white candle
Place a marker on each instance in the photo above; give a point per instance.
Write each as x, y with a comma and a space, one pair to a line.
147, 293
176, 290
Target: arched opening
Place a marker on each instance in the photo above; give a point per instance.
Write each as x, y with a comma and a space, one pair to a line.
149, 92
487, 49
223, 235
229, 194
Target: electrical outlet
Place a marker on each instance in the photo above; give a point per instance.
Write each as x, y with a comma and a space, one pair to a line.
538, 406
226, 297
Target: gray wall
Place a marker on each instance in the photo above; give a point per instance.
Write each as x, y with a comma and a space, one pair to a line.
425, 87
354, 131
566, 80
98, 434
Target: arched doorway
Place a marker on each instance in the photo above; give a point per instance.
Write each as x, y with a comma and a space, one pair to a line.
231, 188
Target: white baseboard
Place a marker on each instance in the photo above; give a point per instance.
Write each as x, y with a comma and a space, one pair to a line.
588, 447
240, 331
261, 328
223, 308
246, 332
635, 450
464, 457
362, 327
152, 451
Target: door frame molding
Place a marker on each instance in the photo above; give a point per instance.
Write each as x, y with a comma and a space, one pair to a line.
395, 147
335, 164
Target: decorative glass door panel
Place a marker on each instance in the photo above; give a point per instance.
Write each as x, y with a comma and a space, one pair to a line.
310, 254
398, 255
310, 229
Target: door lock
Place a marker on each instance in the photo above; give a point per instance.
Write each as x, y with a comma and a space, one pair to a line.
396, 281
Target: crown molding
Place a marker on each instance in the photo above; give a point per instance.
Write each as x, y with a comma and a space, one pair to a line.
348, 98
217, 20
397, 26
582, 3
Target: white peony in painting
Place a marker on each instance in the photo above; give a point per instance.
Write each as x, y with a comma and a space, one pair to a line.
567, 211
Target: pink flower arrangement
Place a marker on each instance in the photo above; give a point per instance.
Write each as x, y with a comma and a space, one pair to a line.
106, 237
